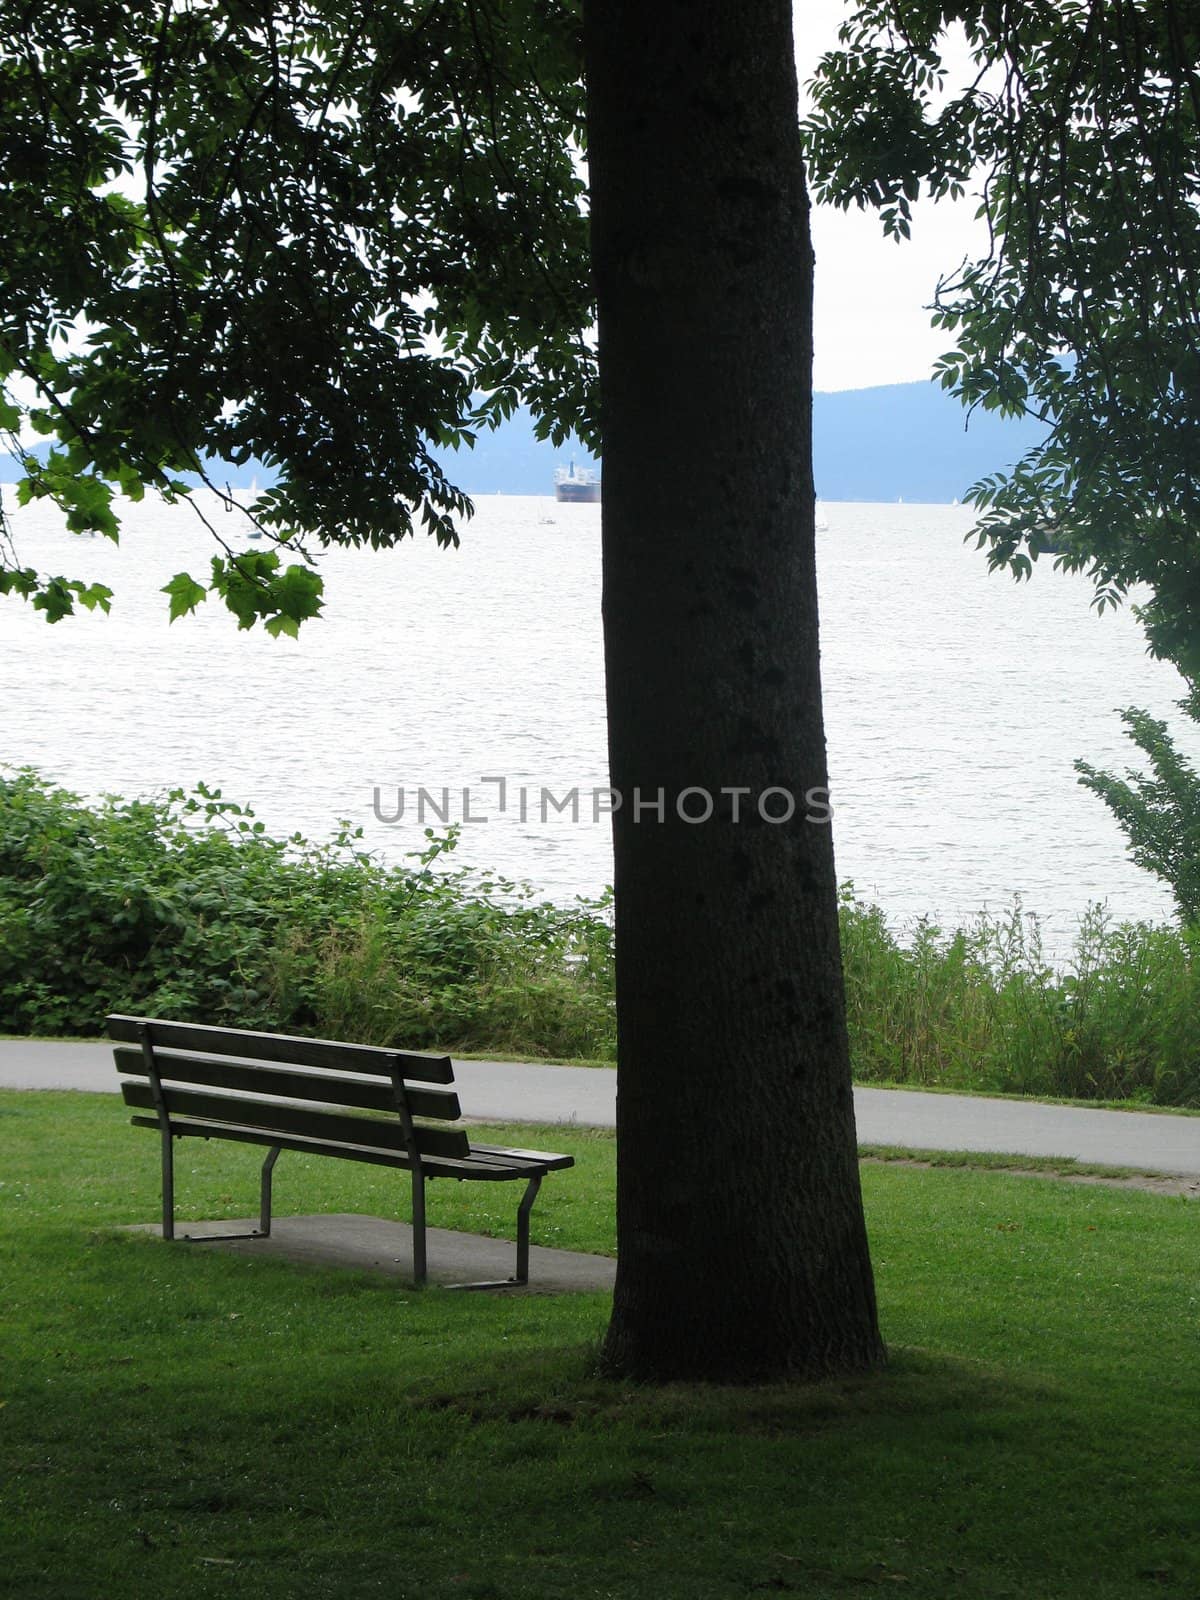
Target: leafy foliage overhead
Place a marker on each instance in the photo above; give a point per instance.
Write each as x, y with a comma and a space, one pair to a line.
1081, 125
329, 235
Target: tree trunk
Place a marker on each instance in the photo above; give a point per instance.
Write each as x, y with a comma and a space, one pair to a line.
742, 1246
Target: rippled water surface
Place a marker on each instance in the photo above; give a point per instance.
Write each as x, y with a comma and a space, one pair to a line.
956, 700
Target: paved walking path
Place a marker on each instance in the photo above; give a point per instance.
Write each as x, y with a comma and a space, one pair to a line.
514, 1092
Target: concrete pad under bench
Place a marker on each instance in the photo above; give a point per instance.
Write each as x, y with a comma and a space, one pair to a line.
375, 1244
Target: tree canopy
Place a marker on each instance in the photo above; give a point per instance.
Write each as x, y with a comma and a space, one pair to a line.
337, 236
329, 236
1081, 129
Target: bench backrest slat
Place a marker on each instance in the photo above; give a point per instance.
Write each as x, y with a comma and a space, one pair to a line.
283, 1048
225, 1073
305, 1121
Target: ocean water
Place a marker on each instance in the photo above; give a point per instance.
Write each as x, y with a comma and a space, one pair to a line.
955, 702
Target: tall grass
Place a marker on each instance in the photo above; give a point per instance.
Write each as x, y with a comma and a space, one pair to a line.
981, 1007
186, 908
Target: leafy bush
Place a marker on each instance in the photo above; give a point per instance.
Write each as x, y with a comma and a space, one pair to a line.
185, 907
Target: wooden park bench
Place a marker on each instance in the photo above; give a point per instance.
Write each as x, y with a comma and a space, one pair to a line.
353, 1101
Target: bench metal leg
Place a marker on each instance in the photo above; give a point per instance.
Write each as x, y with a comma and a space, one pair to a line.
263, 1231
523, 1210
522, 1275
418, 1225
168, 1186
264, 1203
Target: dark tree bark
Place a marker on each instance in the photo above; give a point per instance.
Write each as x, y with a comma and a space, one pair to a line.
742, 1246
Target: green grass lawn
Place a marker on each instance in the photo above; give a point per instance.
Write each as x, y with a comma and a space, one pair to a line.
177, 1421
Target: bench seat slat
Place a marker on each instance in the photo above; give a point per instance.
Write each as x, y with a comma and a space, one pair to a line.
548, 1158
226, 1073
281, 1047
486, 1157
479, 1167
433, 1167
276, 1116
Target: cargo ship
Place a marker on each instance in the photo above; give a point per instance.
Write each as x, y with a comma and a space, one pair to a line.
577, 485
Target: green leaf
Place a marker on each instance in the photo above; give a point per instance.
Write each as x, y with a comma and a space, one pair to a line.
185, 594
21, 581
56, 599
298, 594
95, 596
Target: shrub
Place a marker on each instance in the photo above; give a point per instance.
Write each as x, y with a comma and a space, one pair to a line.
982, 1008
1159, 812
185, 907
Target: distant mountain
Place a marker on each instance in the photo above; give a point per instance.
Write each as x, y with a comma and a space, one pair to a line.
909, 441
221, 473
10, 467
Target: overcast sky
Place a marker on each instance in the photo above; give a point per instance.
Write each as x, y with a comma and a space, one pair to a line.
871, 323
